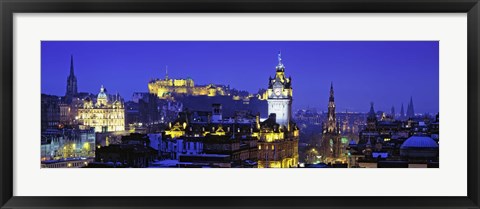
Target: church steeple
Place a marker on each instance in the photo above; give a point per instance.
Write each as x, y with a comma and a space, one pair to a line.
71, 82
72, 73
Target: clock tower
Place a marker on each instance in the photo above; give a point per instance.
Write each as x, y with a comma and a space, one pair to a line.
279, 94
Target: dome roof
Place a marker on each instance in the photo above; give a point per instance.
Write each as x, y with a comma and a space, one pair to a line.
102, 94
419, 142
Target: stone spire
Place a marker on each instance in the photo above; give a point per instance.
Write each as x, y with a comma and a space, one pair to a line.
72, 73
71, 82
332, 98
332, 120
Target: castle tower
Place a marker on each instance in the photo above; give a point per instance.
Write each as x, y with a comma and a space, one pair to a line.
71, 82
280, 95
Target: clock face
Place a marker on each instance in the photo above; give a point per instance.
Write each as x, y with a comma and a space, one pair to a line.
277, 91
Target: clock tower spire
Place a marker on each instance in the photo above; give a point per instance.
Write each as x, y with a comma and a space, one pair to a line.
280, 95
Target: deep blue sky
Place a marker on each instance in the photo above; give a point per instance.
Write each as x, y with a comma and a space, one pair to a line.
384, 72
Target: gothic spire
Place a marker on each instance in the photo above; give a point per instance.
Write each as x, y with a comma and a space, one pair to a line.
331, 92
71, 83
71, 66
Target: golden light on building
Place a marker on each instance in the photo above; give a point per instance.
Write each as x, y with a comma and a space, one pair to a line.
279, 135
104, 116
164, 88
176, 130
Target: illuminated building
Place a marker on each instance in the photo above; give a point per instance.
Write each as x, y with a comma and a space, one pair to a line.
72, 101
104, 116
332, 146
74, 163
67, 144
278, 143
246, 140
68, 112
395, 143
280, 95
167, 88
201, 136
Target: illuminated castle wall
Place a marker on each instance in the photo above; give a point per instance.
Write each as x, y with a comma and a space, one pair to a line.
104, 115
165, 88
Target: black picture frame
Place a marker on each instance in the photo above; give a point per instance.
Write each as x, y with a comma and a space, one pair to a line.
9, 7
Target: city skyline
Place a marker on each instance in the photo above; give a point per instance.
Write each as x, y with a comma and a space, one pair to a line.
358, 70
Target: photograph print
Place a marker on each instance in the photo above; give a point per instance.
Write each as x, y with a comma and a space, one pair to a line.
239, 104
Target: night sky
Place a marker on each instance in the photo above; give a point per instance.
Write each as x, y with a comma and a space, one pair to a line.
384, 72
